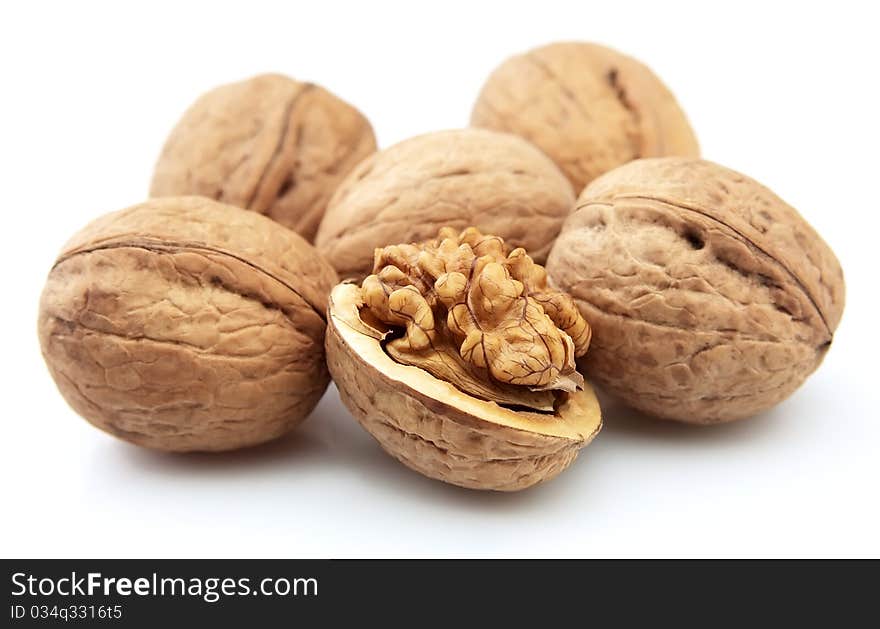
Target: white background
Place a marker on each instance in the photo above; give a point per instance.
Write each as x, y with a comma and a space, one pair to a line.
785, 92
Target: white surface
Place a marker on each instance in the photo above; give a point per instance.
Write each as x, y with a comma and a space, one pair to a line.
787, 96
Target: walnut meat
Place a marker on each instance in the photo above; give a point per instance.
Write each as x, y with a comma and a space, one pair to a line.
460, 359
711, 299
185, 324
406, 193
588, 107
268, 144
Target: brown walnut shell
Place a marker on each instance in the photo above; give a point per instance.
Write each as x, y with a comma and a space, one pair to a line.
437, 430
496, 182
184, 324
447, 355
710, 298
268, 144
588, 107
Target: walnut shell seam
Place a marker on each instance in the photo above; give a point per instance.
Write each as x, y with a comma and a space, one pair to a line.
742, 237
164, 247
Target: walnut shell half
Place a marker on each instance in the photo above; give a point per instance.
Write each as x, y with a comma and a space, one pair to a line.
268, 144
711, 299
496, 182
590, 108
185, 324
450, 382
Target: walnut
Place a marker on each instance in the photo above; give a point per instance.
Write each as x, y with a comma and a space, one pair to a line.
185, 324
496, 182
457, 356
268, 144
588, 107
473, 314
711, 299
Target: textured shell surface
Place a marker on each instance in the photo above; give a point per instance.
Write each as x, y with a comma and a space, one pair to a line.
440, 431
590, 108
437, 439
185, 324
269, 144
710, 298
496, 182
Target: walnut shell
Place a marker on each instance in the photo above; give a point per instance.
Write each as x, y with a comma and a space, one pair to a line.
454, 401
588, 107
496, 182
185, 324
268, 144
710, 298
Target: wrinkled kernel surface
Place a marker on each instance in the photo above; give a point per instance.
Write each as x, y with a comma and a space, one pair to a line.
475, 313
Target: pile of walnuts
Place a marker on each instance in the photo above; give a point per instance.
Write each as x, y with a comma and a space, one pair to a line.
571, 231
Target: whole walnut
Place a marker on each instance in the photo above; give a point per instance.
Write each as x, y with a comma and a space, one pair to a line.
459, 358
496, 182
268, 144
710, 298
588, 107
185, 324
